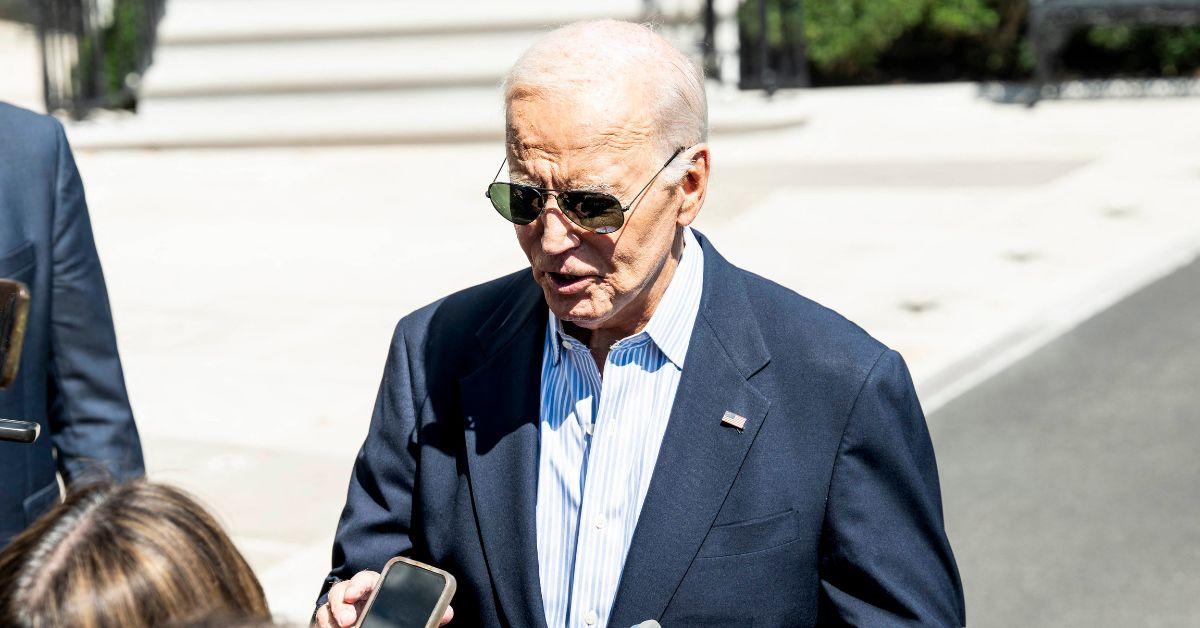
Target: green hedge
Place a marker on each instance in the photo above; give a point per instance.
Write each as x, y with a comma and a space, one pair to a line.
864, 41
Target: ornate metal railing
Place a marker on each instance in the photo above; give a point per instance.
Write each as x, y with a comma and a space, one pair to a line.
770, 47
95, 51
1052, 21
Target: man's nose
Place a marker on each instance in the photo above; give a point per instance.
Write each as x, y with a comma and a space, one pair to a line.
557, 230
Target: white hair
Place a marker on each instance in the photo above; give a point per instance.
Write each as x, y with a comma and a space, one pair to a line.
602, 54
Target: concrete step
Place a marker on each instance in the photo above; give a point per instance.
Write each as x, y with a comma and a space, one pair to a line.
244, 73
221, 47
208, 22
466, 114
333, 64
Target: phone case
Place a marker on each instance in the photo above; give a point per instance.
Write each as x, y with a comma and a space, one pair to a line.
435, 617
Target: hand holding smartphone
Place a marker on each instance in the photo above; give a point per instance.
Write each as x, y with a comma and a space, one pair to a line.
410, 594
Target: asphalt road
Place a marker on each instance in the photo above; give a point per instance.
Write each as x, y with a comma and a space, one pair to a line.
1071, 481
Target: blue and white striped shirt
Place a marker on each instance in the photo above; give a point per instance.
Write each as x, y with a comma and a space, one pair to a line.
599, 444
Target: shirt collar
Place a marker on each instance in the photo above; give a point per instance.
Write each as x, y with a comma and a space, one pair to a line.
670, 327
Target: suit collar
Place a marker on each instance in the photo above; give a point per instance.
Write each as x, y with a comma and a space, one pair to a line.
670, 327
514, 313
725, 306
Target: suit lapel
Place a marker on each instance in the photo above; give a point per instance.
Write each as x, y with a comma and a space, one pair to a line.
699, 457
501, 404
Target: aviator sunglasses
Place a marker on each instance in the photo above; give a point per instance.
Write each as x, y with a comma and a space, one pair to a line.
598, 212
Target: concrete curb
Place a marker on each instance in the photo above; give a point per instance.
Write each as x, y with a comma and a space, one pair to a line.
1015, 343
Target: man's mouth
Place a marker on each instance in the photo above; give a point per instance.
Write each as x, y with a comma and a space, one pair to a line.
568, 284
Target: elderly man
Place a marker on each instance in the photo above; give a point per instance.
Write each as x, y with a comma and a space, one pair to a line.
633, 428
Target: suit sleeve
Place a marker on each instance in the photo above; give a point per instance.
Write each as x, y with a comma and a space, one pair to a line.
376, 520
885, 558
90, 420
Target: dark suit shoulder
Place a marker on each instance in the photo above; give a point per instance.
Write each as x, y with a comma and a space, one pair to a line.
444, 329
796, 327
466, 310
441, 341
28, 135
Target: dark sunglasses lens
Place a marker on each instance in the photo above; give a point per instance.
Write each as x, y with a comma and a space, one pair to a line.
594, 211
519, 204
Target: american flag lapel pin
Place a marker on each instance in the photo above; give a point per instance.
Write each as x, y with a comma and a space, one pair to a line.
734, 420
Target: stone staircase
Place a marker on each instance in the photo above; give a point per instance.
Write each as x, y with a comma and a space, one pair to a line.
251, 73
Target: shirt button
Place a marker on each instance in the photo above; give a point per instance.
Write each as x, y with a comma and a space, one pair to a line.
566, 345
599, 523
591, 618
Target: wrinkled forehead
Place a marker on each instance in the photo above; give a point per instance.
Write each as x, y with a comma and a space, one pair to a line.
579, 133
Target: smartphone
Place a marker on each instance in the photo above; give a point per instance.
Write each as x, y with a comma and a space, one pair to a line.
410, 595
19, 431
14, 308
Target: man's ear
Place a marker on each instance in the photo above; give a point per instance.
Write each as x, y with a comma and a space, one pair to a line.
694, 185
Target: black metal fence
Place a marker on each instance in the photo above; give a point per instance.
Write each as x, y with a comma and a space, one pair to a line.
94, 52
771, 51
1051, 23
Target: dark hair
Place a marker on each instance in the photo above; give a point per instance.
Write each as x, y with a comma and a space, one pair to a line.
135, 554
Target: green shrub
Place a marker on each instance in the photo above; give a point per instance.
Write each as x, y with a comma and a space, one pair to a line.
962, 17
861, 41
847, 36
122, 42
959, 39
842, 36
1109, 50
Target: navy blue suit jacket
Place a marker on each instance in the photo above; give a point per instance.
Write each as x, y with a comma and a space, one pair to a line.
70, 377
824, 510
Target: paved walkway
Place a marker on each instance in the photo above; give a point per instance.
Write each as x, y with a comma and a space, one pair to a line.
1071, 479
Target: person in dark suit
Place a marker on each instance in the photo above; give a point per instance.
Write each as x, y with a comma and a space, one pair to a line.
70, 378
633, 428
